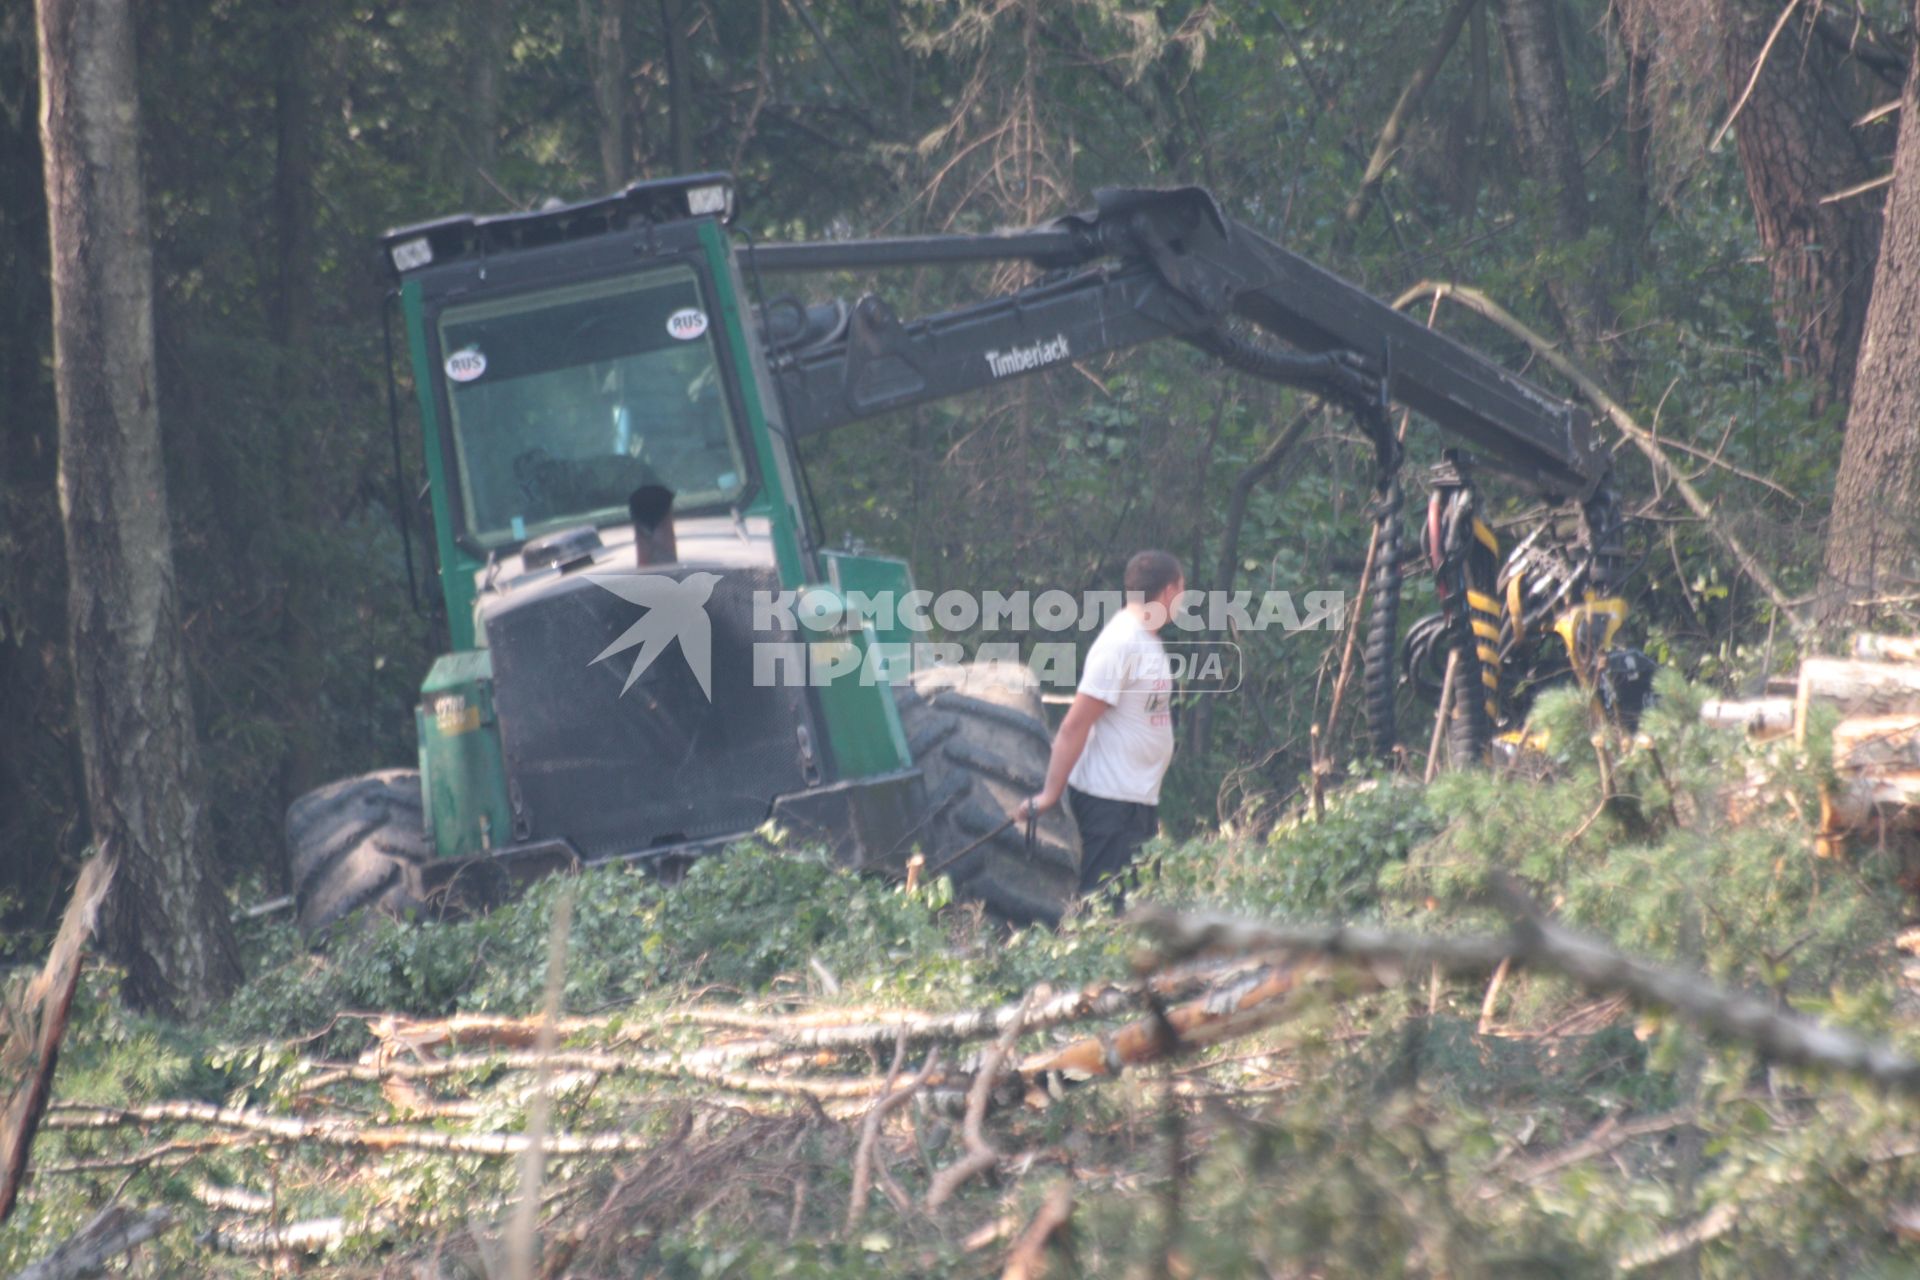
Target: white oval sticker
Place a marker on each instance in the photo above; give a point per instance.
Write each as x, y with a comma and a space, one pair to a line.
465, 366
687, 323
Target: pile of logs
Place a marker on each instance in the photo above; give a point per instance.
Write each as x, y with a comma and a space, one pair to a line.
1876, 743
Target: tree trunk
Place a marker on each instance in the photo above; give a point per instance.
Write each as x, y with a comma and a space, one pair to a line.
673, 21
483, 100
291, 321
165, 919
1549, 150
1873, 542
1796, 145
607, 64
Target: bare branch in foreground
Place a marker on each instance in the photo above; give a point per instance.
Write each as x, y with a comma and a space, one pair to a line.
113, 1231
891, 1099
1783, 1037
341, 1132
31, 1030
981, 1155
1028, 1258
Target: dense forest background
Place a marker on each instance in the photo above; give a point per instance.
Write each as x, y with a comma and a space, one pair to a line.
1568, 157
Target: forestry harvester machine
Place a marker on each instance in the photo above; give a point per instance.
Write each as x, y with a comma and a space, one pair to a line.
611, 409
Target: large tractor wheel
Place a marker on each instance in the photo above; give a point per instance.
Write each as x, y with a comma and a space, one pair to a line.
357, 843
978, 734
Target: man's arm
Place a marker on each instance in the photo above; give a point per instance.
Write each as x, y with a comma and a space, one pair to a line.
1067, 746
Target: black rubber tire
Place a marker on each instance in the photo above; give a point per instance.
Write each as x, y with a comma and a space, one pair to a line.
978, 733
357, 843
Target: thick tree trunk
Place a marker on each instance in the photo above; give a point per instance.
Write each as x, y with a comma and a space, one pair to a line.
1873, 542
1549, 150
1796, 145
165, 919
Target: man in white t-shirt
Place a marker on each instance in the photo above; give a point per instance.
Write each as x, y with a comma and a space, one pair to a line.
1117, 739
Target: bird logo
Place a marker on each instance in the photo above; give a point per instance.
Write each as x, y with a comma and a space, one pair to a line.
676, 609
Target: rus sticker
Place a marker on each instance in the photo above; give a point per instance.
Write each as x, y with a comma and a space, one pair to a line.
687, 323
465, 366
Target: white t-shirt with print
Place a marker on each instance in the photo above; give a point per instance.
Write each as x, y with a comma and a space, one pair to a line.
1130, 746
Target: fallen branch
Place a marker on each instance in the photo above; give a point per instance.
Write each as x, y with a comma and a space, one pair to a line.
1642, 439
339, 1132
1611, 1134
891, 1100
1718, 1221
1027, 1260
1256, 1001
662, 1065
981, 1154
31, 1030
113, 1231
313, 1236
1782, 1037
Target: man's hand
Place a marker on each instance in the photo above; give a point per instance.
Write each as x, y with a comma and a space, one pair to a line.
1033, 805
1067, 746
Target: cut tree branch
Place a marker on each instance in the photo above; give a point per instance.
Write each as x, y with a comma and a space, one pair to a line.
981, 1155
1782, 1037
32, 1028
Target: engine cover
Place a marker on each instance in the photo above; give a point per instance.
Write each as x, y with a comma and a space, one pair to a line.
617, 767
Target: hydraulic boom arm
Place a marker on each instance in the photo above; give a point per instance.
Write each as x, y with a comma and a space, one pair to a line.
1153, 264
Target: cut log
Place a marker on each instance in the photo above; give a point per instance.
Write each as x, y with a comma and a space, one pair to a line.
1877, 763
1759, 717
1869, 646
1856, 688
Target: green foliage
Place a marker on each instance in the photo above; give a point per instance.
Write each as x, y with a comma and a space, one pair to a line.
1660, 866
1367, 1134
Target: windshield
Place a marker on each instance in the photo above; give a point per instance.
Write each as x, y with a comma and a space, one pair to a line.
565, 403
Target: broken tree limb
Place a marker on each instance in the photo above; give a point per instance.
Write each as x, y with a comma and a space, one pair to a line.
339, 1131
1753, 77
1027, 1260
1388, 144
981, 1154
1642, 439
31, 1030
662, 1065
823, 1030
891, 1099
113, 1231
1783, 1037
1251, 1003
1715, 1223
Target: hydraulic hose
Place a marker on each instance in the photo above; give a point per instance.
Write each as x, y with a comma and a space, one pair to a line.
1383, 621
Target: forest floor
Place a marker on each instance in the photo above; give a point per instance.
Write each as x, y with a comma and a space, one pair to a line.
774, 1068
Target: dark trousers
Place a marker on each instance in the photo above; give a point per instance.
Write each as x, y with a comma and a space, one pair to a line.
1111, 833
